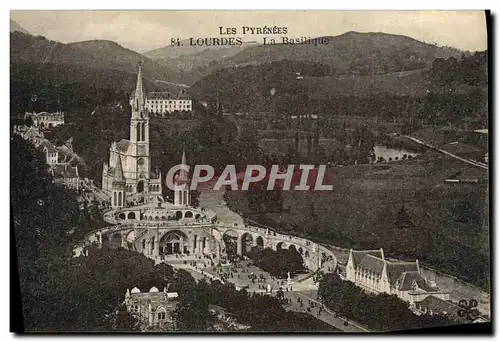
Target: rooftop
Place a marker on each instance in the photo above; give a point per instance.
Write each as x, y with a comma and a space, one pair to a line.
65, 170
166, 95
439, 306
358, 256
45, 114
407, 279
122, 146
48, 145
372, 263
395, 269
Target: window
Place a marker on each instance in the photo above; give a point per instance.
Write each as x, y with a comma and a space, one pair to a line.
161, 316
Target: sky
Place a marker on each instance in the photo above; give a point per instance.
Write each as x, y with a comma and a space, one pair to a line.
143, 31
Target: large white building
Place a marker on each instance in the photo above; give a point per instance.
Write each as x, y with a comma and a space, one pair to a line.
161, 103
127, 177
45, 119
370, 270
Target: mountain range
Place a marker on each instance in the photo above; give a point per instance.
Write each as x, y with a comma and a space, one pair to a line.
185, 49
199, 61
351, 54
16, 27
380, 51
96, 54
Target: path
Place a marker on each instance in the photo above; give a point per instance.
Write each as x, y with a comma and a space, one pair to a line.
175, 84
214, 201
98, 193
471, 162
326, 315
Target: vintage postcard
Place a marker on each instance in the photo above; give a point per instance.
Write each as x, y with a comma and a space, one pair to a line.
250, 171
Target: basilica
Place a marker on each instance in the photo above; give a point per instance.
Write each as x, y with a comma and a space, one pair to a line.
127, 178
142, 220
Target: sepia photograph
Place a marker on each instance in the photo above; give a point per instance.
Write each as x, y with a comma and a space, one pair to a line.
257, 171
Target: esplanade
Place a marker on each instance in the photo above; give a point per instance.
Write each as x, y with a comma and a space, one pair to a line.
168, 232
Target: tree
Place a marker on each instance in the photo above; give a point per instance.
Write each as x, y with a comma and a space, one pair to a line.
350, 301
278, 263
403, 220
468, 212
191, 313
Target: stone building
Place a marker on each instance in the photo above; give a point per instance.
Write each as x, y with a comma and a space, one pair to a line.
51, 152
32, 134
45, 119
161, 103
370, 270
182, 196
153, 307
66, 175
127, 177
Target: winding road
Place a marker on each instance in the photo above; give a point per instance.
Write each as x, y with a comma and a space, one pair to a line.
214, 200
468, 161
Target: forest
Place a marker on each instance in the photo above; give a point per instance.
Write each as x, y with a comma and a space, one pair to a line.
380, 312
65, 294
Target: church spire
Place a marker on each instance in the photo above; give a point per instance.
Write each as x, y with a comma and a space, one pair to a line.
183, 173
119, 177
138, 99
139, 90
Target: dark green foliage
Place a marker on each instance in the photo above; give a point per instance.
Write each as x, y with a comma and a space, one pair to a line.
450, 92
60, 293
42, 212
263, 313
278, 263
377, 312
261, 200
468, 212
403, 220
472, 70
191, 314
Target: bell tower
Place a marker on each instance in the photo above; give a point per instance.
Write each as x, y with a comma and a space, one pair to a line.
139, 136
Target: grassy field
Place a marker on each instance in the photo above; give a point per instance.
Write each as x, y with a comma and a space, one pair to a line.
361, 211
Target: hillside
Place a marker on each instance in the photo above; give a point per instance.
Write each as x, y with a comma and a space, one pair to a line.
350, 64
185, 49
15, 27
202, 61
195, 62
380, 51
281, 75
414, 83
96, 54
450, 91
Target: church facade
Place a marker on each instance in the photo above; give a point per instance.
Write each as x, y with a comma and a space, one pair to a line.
127, 177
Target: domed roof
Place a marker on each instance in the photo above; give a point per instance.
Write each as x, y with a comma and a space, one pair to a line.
153, 289
135, 290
